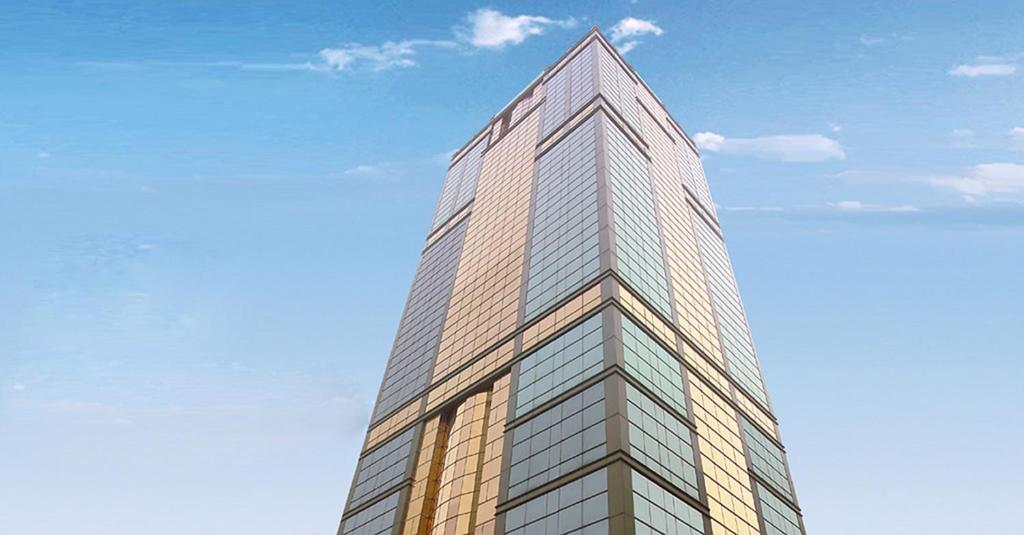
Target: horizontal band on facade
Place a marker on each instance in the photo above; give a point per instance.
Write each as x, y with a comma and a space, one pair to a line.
383, 494
771, 488
605, 302
617, 456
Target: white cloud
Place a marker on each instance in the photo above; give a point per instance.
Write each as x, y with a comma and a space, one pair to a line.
753, 208
19, 387
1017, 136
871, 40
363, 169
625, 32
875, 40
857, 206
389, 55
396, 169
709, 141
489, 28
835, 127
1005, 58
631, 27
986, 178
983, 69
963, 138
225, 64
626, 47
786, 148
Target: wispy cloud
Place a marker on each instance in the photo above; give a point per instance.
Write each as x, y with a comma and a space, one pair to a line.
227, 65
484, 28
395, 169
877, 40
1017, 137
963, 138
786, 148
992, 69
977, 215
625, 33
364, 169
988, 66
871, 40
388, 55
858, 206
489, 28
967, 138
752, 208
985, 179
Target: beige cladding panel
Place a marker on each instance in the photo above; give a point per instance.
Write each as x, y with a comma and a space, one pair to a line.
689, 288
485, 301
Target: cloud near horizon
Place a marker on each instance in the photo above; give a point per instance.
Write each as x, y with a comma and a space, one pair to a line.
784, 148
858, 206
984, 179
988, 66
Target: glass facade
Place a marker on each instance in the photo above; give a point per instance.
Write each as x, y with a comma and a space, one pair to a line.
558, 441
779, 517
659, 511
376, 519
725, 298
576, 508
573, 357
660, 441
460, 183
560, 365
766, 459
652, 365
564, 246
637, 244
381, 469
412, 356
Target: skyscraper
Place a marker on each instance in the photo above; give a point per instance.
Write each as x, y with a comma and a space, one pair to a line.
573, 356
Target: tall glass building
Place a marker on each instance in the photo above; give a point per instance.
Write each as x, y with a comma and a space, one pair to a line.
573, 357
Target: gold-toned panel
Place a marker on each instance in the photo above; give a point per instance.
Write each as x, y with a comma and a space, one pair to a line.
566, 314
654, 108
726, 481
382, 431
485, 300
526, 101
690, 291
478, 370
490, 469
754, 412
426, 477
456, 496
648, 318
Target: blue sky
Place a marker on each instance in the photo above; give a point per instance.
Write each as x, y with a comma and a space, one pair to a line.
211, 214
